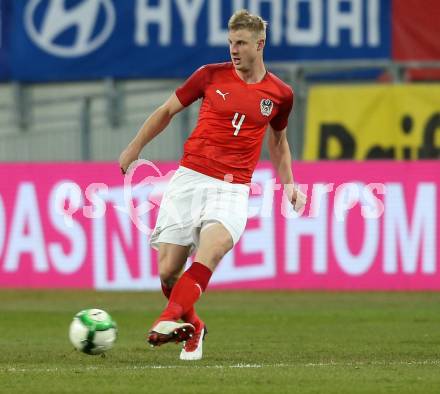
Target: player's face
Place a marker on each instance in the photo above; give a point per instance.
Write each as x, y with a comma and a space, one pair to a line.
244, 49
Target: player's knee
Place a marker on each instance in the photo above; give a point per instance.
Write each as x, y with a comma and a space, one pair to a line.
168, 278
168, 273
218, 250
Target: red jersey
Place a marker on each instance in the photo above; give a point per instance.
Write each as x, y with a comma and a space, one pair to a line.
233, 118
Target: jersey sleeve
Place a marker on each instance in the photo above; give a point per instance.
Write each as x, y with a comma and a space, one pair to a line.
193, 88
280, 120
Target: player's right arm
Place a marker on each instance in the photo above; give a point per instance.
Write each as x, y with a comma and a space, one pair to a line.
154, 124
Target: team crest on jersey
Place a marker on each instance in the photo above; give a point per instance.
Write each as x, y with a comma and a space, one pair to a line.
266, 106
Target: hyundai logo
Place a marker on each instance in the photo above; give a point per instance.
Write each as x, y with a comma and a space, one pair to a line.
69, 31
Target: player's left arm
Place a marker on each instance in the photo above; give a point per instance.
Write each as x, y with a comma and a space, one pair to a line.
281, 158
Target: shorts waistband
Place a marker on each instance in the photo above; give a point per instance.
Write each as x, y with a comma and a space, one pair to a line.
232, 186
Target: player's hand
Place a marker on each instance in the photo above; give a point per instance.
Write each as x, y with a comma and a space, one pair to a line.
128, 156
297, 198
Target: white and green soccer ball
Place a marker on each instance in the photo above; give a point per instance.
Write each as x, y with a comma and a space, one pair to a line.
93, 331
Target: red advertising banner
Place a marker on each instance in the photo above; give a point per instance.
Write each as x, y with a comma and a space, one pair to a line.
367, 225
416, 30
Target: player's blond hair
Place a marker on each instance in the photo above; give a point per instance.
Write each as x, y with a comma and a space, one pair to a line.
243, 19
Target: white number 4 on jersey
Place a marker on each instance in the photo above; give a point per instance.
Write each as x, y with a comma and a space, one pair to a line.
236, 125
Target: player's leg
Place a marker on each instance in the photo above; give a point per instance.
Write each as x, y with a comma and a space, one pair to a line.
172, 259
215, 242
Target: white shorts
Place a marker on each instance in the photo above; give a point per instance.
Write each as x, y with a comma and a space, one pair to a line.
192, 201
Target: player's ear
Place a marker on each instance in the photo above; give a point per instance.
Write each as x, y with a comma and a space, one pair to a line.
260, 44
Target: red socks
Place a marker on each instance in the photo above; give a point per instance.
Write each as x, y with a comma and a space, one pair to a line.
188, 317
185, 293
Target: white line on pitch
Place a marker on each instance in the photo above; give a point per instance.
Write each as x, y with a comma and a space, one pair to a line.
240, 365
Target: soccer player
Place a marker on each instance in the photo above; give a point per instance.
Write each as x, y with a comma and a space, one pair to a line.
240, 101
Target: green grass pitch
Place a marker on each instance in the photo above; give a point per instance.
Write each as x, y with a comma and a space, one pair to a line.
258, 342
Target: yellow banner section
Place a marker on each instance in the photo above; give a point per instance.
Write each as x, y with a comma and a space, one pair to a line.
373, 122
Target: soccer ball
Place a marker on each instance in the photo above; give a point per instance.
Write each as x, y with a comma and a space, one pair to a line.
92, 331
